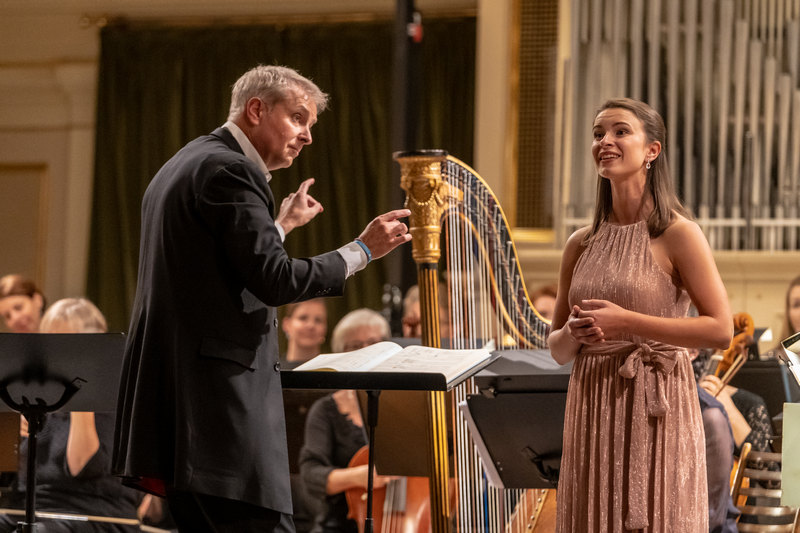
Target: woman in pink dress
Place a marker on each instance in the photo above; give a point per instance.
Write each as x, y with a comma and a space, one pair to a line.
634, 453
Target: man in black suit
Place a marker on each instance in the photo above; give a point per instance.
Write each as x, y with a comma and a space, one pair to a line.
200, 415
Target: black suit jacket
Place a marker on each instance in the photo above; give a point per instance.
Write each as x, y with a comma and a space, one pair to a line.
200, 405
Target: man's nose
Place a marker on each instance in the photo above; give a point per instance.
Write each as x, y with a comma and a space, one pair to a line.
305, 135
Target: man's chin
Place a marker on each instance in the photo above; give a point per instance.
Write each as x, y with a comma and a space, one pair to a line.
286, 163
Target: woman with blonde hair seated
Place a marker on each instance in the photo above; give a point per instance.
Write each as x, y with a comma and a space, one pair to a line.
73, 459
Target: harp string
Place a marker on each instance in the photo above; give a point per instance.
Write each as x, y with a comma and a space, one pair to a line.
487, 300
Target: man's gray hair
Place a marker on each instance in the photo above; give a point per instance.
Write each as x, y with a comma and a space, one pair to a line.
273, 84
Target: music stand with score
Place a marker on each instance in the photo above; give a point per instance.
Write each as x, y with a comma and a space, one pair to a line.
41, 373
373, 383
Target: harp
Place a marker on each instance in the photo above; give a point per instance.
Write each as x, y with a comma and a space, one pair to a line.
486, 299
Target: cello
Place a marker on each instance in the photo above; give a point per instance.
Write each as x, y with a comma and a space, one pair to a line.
734, 357
400, 506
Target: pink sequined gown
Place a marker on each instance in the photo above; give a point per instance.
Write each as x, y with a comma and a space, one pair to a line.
634, 450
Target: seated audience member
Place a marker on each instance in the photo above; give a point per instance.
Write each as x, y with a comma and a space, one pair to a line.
305, 325
21, 304
21, 308
335, 432
412, 325
722, 513
792, 326
719, 436
73, 452
544, 300
743, 405
412, 314
747, 412
792, 309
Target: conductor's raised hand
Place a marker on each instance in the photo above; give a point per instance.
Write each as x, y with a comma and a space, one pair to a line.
386, 232
298, 208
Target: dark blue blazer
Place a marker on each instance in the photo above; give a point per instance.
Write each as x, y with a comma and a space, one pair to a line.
200, 405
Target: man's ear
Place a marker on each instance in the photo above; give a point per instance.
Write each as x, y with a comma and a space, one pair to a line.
254, 110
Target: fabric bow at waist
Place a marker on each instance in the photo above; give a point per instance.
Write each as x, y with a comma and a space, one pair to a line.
647, 364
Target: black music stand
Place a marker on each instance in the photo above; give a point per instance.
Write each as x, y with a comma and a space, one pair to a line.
373, 383
518, 436
41, 372
517, 420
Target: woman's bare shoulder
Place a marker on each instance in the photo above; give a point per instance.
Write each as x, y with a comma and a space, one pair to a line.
573, 248
576, 239
686, 244
682, 228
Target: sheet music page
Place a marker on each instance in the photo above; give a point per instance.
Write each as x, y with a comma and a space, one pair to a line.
449, 363
360, 360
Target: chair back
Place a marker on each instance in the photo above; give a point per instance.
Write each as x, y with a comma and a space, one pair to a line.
756, 493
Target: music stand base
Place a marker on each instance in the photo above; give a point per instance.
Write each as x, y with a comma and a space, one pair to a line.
372, 422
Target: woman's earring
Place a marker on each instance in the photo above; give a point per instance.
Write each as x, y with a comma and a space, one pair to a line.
647, 166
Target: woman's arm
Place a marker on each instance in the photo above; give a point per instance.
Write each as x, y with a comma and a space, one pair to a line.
568, 331
739, 426
82, 442
694, 265
341, 479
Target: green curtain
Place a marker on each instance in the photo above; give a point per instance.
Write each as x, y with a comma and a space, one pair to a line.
160, 87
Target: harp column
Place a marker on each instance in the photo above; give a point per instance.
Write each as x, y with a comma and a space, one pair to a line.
427, 196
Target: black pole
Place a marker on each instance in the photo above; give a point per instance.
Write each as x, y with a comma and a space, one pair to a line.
35, 423
406, 84
372, 422
406, 76
35, 414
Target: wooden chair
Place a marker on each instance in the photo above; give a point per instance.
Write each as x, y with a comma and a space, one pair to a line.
761, 508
